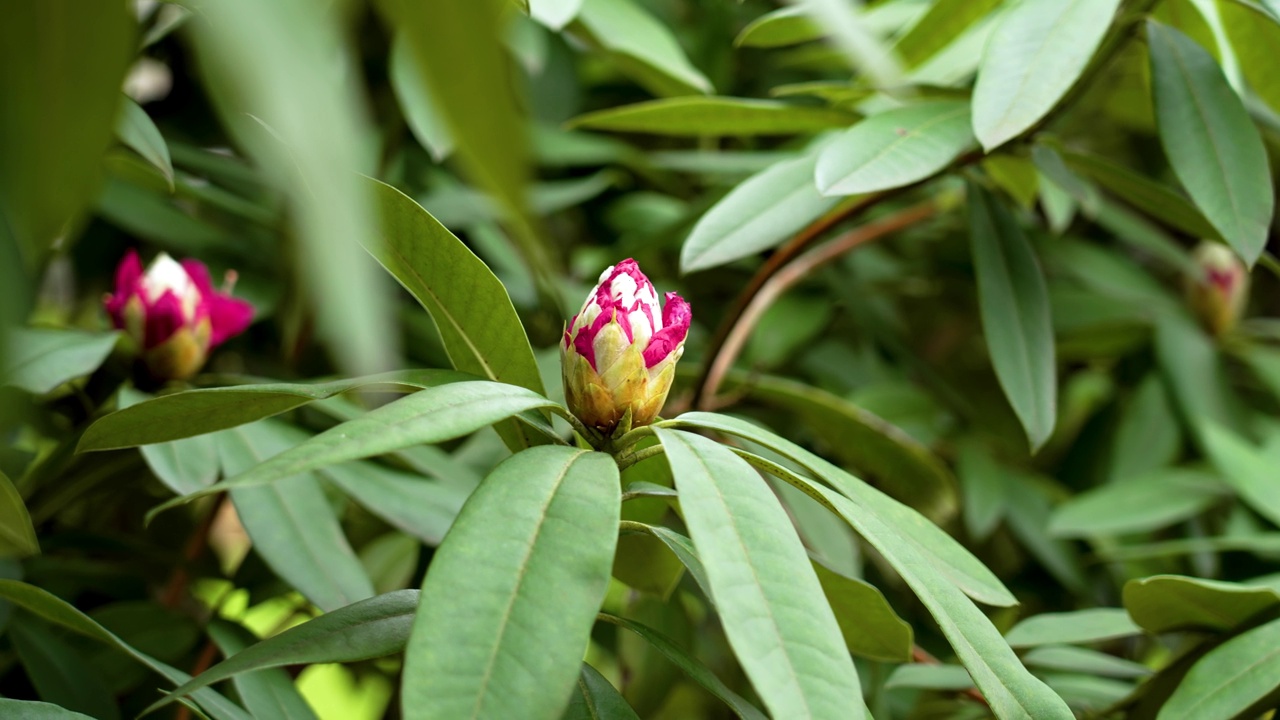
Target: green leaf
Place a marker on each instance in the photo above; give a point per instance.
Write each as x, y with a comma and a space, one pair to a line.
1033, 57
555, 14
416, 103
1169, 603
1088, 694
758, 214
135, 129
929, 677
768, 597
391, 560
419, 506
1077, 627
985, 489
1194, 375
895, 148
196, 412
642, 47
369, 629
1229, 678
1213, 147
680, 546
430, 416
32, 710
700, 116
38, 360
17, 536
512, 593
944, 554
1015, 314
1249, 470
182, 465
63, 66
1084, 660
59, 612
870, 627
1152, 501
1152, 198
1148, 436
268, 692
1253, 32
479, 327
595, 698
59, 673
290, 521
944, 22
784, 26
694, 669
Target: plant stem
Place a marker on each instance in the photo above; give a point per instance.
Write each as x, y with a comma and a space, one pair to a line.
627, 461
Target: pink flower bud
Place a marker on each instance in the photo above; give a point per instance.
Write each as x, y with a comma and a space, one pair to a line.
620, 351
173, 314
1219, 289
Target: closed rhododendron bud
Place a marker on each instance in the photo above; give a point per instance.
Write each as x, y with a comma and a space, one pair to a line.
1219, 289
173, 314
620, 351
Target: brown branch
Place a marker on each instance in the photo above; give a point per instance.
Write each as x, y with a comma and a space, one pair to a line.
923, 657
207, 655
779, 281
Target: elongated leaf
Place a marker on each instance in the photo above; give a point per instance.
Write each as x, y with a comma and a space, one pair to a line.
761, 212
1034, 56
1011, 691
697, 116
930, 677
944, 554
433, 415
196, 412
870, 627
768, 597
1194, 375
1015, 314
368, 629
986, 489
32, 710
895, 148
782, 27
511, 595
1081, 626
1249, 470
1253, 31
416, 103
60, 674
642, 47
554, 14
945, 21
596, 699
269, 692
1167, 603
680, 546
39, 360
1143, 193
59, 612
17, 536
1084, 660
421, 507
1213, 147
135, 129
1230, 678
290, 521
1148, 436
471, 308
1152, 501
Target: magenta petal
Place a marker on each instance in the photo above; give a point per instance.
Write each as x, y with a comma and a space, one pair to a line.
228, 317
676, 313
199, 275
676, 317
128, 284
164, 317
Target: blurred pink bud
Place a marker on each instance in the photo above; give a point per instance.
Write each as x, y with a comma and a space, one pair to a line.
173, 313
620, 351
1219, 289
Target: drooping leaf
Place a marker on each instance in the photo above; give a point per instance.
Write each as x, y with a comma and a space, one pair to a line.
1251, 471
268, 692
1212, 145
32, 710
929, 677
1078, 627
768, 598
136, 129
894, 148
1154, 500
1153, 199
39, 360
870, 627
59, 673
1230, 678
945, 21
642, 47
699, 116
1015, 314
985, 489
1148, 436
595, 698
779, 28
422, 507
1168, 603
554, 14
681, 547
17, 536
1194, 375
416, 103
1035, 55
512, 592
1084, 660
1253, 31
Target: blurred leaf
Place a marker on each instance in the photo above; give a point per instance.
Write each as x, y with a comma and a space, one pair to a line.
767, 596
416, 102
290, 521
1084, 660
1089, 694
690, 665
1152, 198
781, 27
1168, 603
1194, 375
39, 360
390, 560
1249, 470
642, 47
595, 698
61, 67
985, 487
182, 465
1028, 517
854, 35
555, 14
17, 537
1230, 678
929, 677
470, 307
135, 129
421, 507
520, 589
1253, 32
59, 612
32, 710
431, 416
894, 148
1037, 52
268, 692
1211, 144
151, 214
1265, 364
650, 564
680, 547
1148, 436
870, 627
195, 412
368, 629
1015, 175
1156, 499
699, 116
761, 212
944, 22
1078, 627
59, 673
1015, 314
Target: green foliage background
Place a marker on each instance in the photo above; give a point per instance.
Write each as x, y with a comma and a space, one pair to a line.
948, 438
